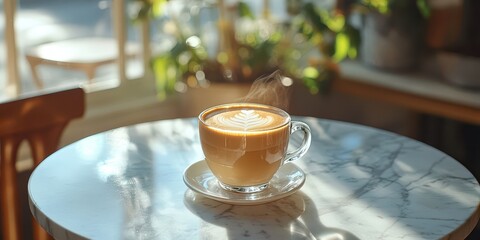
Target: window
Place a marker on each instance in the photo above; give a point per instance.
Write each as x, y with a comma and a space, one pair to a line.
56, 43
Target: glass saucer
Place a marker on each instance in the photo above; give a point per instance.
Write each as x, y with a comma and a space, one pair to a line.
285, 182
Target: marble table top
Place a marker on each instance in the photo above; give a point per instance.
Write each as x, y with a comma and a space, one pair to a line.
361, 183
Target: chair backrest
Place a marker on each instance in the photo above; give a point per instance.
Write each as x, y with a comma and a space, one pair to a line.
40, 120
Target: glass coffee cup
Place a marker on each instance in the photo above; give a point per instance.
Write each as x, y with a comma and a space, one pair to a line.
245, 143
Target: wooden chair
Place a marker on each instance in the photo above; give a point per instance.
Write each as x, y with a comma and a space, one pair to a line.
40, 120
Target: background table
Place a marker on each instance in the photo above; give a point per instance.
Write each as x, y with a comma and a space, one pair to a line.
84, 54
362, 183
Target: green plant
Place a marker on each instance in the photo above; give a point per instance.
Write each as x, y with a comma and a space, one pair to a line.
398, 6
307, 48
334, 37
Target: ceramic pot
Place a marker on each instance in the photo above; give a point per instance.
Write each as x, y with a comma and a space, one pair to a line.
389, 43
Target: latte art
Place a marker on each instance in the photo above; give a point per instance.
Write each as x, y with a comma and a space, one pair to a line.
245, 120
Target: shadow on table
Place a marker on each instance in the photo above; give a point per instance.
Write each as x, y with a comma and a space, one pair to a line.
293, 217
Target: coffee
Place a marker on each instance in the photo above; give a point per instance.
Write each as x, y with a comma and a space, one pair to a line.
244, 144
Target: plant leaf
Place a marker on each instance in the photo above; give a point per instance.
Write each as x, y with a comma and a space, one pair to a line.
158, 7
342, 46
423, 7
165, 73
314, 17
335, 22
245, 11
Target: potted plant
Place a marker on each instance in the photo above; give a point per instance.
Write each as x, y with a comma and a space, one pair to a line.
305, 48
391, 31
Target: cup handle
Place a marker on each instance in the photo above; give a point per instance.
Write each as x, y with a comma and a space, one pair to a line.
307, 139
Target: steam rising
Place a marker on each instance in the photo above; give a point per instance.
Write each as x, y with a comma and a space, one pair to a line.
270, 90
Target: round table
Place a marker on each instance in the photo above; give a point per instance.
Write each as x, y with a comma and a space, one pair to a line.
361, 183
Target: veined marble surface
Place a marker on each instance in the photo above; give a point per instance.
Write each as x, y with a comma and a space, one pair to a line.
362, 183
